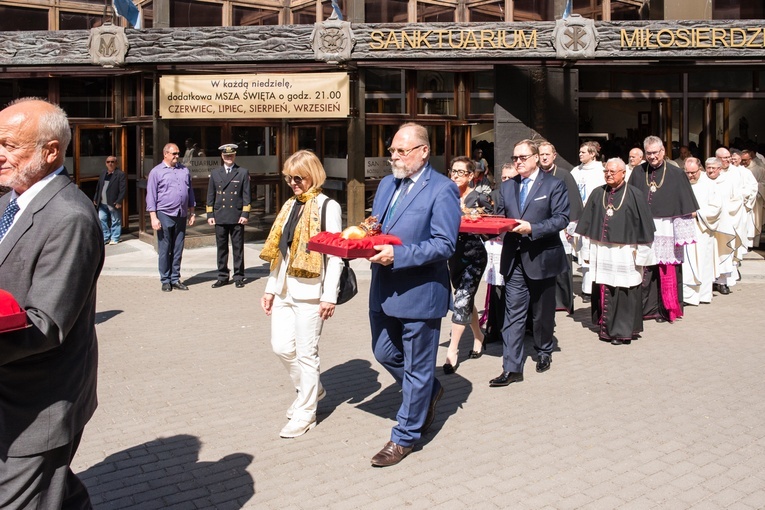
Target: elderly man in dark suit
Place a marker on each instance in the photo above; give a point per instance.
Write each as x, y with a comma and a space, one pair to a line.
51, 253
410, 290
532, 257
228, 209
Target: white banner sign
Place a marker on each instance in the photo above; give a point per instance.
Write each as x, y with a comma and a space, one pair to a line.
255, 96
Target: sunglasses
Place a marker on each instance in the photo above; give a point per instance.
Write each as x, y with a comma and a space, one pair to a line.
174, 153
111, 161
522, 159
293, 178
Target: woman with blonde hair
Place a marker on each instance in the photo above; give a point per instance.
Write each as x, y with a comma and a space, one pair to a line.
301, 290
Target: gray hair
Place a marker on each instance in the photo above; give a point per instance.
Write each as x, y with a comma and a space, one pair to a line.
52, 125
652, 140
619, 162
713, 161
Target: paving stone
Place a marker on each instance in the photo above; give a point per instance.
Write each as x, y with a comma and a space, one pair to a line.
191, 401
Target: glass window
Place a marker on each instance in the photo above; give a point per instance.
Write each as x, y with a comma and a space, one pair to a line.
246, 17
198, 146
435, 13
87, 97
148, 95
130, 93
94, 145
385, 91
188, 13
587, 9
390, 11
257, 148
148, 14
435, 93
14, 89
535, 10
78, 20
19, 18
304, 15
621, 11
723, 80
487, 12
594, 80
482, 93
738, 9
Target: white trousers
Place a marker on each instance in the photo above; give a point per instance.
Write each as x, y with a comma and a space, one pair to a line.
295, 332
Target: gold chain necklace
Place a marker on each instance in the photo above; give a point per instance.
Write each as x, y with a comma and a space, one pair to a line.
652, 185
610, 209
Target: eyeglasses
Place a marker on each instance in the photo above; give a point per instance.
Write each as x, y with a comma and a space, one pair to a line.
459, 173
174, 153
609, 171
522, 159
111, 160
403, 152
293, 178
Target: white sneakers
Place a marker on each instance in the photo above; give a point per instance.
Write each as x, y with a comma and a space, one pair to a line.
322, 394
295, 428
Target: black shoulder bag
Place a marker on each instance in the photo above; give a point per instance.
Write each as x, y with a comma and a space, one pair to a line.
347, 288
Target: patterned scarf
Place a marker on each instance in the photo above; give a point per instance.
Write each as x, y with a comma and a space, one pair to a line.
303, 263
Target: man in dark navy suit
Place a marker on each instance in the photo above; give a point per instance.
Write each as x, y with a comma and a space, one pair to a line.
228, 209
532, 257
410, 290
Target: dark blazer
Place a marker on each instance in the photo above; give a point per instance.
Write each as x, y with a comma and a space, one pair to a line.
547, 209
115, 193
228, 195
416, 285
50, 261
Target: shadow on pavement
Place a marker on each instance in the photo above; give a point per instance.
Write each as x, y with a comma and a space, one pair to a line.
352, 382
166, 472
104, 316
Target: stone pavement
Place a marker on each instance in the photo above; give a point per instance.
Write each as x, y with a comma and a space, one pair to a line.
192, 400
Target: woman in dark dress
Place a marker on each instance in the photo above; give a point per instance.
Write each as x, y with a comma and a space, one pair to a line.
466, 265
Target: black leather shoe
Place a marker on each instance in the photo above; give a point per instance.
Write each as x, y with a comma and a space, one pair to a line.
505, 379
166, 287
220, 283
616, 341
391, 454
586, 298
239, 284
724, 290
432, 410
180, 286
543, 364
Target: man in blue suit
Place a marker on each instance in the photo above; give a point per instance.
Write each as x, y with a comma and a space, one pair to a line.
410, 290
532, 257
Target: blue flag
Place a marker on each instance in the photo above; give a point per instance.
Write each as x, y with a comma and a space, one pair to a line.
567, 10
336, 8
128, 10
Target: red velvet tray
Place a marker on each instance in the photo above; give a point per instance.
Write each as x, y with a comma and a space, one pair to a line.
487, 225
12, 317
332, 244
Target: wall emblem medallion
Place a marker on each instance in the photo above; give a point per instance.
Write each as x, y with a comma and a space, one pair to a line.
575, 37
108, 45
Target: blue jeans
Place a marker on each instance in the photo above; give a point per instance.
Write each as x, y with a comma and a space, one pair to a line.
170, 239
108, 214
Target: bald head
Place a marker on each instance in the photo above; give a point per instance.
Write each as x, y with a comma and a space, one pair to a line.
34, 136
